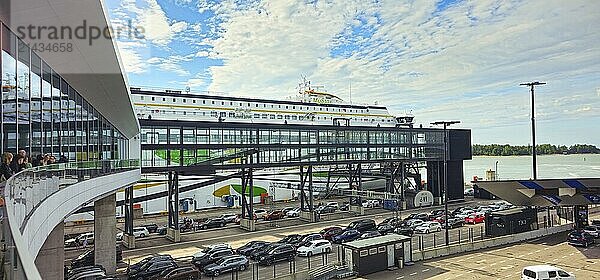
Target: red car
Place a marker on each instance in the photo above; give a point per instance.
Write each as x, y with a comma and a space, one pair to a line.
475, 219
330, 232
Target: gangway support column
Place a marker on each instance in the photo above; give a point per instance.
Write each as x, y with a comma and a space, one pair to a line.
128, 238
307, 212
355, 183
105, 231
51, 258
173, 230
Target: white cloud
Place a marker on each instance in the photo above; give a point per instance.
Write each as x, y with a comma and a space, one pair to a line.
131, 58
158, 28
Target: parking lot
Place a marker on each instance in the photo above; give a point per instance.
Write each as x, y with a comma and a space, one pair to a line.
505, 262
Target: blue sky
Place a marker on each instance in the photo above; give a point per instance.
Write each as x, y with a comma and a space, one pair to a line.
442, 60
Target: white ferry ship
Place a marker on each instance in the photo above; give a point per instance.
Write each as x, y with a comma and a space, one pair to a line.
310, 106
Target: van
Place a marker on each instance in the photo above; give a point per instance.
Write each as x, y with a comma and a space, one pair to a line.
362, 225
538, 272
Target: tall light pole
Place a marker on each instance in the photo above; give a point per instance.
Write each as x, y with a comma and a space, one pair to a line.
533, 152
446, 124
496, 171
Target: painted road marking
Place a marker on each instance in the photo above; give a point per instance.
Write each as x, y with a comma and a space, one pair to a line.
400, 277
425, 270
413, 274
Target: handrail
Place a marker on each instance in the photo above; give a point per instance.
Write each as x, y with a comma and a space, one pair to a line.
26, 190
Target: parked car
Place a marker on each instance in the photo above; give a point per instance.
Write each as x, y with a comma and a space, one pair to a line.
211, 249
314, 247
91, 272
413, 223
406, 231
148, 260
295, 212
80, 240
162, 230
325, 209
345, 207
595, 222
333, 204
417, 216
385, 228
280, 253
330, 232
255, 255
152, 228
428, 227
306, 238
464, 213
211, 258
369, 234
151, 269
140, 232
593, 231
228, 218
362, 225
435, 214
211, 223
180, 273
580, 238
372, 203
469, 192
260, 213
251, 246
285, 210
460, 210
475, 219
453, 223
233, 263
347, 236
274, 215
542, 272
87, 258
393, 221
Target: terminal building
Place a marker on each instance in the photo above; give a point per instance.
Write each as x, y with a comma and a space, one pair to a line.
70, 103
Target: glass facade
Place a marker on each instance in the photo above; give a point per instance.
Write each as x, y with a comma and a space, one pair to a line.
41, 113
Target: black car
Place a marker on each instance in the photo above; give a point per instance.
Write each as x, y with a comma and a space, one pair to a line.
418, 216
212, 223
595, 223
580, 238
255, 255
151, 259
151, 269
385, 228
393, 221
180, 273
453, 223
75, 271
87, 258
325, 209
251, 246
280, 253
436, 213
152, 228
211, 258
162, 230
291, 239
362, 225
233, 263
304, 239
406, 231
345, 207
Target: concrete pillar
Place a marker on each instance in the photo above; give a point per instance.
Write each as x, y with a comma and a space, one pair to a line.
105, 231
50, 260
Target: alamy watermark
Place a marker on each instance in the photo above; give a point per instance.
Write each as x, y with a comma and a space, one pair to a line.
59, 38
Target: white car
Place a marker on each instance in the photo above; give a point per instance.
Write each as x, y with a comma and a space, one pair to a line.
260, 213
464, 214
293, 213
427, 227
315, 247
413, 223
469, 192
140, 232
539, 272
593, 231
370, 203
228, 218
333, 204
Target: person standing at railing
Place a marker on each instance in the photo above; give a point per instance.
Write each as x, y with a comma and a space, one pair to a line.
5, 170
27, 162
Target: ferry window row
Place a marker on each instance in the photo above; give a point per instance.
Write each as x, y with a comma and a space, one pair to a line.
264, 105
43, 114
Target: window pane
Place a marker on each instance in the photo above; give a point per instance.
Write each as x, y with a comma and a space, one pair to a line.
23, 97
36, 105
9, 91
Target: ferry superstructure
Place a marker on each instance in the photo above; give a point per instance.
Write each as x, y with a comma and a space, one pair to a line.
309, 107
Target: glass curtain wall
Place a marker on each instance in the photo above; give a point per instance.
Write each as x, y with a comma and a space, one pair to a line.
42, 114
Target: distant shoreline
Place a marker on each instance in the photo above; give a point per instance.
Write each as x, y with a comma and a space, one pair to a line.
543, 149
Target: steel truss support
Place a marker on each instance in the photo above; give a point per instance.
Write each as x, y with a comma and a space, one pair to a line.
248, 188
173, 199
355, 182
129, 211
306, 183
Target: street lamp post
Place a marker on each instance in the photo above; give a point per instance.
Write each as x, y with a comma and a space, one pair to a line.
496, 172
533, 151
446, 124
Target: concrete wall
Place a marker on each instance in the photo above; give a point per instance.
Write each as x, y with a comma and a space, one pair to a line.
487, 243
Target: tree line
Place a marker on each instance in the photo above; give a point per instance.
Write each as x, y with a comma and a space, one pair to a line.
543, 149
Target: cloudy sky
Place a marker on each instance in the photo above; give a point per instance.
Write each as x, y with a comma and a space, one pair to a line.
442, 60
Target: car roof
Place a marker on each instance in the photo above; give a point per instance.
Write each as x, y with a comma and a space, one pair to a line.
543, 267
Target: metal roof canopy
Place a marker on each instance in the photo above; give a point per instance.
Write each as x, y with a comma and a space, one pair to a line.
377, 241
545, 192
